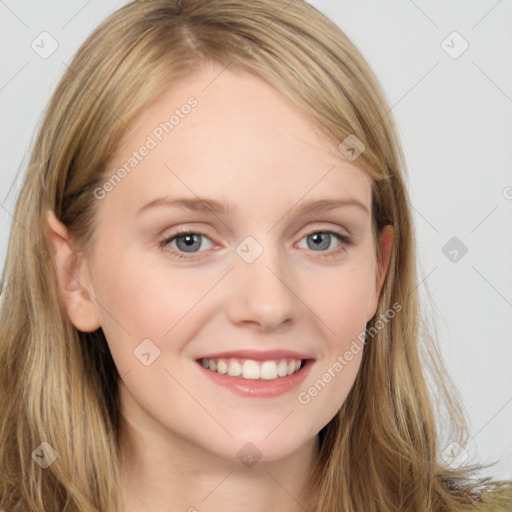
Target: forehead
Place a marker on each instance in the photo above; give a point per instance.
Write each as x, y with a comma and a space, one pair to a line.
220, 132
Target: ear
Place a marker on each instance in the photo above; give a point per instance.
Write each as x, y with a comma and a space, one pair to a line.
72, 277
385, 245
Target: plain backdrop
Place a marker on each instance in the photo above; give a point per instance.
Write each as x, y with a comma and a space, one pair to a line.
445, 67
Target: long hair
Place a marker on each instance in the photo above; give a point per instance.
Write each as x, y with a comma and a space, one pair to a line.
59, 409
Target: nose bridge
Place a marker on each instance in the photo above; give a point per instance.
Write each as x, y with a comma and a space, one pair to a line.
261, 292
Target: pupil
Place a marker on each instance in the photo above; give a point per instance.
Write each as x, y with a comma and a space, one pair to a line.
187, 241
317, 237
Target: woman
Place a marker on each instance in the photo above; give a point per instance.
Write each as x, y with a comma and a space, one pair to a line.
210, 296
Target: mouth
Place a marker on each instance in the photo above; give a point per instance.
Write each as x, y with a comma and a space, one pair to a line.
256, 377
252, 369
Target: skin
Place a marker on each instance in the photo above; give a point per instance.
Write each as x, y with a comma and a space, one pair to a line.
248, 145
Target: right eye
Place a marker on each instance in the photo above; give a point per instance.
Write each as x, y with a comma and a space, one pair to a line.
186, 242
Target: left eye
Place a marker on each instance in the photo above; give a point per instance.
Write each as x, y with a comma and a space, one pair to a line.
321, 240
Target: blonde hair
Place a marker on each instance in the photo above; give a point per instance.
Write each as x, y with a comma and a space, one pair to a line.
59, 385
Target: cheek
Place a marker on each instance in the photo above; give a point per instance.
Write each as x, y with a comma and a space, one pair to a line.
342, 312
140, 299
343, 301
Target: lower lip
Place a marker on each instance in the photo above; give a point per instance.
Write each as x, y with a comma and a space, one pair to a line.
257, 387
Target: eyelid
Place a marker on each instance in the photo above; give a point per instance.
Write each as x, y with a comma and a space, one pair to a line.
340, 230
321, 226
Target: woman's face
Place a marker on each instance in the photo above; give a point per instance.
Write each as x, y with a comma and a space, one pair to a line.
253, 286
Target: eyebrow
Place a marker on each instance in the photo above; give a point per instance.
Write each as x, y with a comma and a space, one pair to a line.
212, 205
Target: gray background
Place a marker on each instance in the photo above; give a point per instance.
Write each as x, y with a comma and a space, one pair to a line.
454, 116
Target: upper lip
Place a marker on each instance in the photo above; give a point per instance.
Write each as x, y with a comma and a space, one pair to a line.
258, 355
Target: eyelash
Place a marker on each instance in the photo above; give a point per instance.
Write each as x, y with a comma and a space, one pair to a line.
346, 241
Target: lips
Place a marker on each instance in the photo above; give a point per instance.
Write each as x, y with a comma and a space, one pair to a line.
257, 355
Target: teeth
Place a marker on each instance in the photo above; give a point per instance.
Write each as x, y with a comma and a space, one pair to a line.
234, 368
222, 367
269, 370
251, 369
282, 369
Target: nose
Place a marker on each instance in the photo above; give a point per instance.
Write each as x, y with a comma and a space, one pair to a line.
261, 292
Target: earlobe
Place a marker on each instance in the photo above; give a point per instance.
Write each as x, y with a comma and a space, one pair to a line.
72, 281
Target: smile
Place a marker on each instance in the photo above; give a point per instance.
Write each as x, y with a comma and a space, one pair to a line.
256, 378
253, 370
